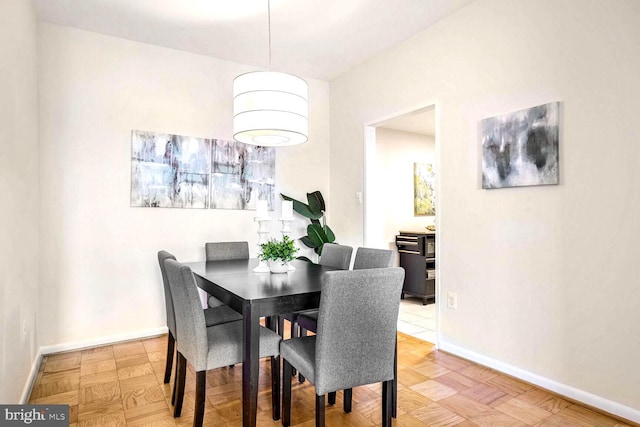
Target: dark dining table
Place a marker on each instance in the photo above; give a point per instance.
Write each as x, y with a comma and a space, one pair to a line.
256, 295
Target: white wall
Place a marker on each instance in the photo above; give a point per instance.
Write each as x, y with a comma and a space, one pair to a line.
100, 275
390, 204
547, 277
19, 209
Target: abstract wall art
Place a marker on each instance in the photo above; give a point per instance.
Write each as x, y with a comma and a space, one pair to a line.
521, 148
169, 171
176, 171
241, 174
424, 194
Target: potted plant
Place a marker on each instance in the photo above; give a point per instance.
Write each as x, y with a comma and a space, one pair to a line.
278, 253
318, 232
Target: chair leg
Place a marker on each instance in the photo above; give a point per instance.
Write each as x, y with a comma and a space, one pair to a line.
170, 350
386, 403
294, 326
281, 333
346, 400
182, 376
332, 398
286, 393
320, 411
275, 387
394, 393
201, 385
281, 326
294, 334
175, 381
303, 333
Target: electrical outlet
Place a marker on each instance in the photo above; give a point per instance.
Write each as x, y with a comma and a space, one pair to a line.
452, 300
25, 332
358, 198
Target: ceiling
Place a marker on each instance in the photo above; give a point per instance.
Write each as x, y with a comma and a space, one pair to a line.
312, 38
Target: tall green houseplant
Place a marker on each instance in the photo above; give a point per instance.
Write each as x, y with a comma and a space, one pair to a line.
318, 232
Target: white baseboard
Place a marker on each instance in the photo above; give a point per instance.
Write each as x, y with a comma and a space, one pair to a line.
76, 345
94, 342
31, 379
570, 392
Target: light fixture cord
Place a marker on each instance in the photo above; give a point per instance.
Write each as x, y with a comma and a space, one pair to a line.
269, 19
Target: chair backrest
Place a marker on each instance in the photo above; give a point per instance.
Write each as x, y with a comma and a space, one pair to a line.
357, 328
222, 251
192, 329
373, 258
168, 298
336, 256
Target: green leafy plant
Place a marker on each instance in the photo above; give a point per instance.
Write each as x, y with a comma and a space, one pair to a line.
318, 232
278, 249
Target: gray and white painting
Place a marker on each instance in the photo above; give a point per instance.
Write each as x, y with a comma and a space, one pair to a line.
241, 174
521, 148
169, 171
173, 171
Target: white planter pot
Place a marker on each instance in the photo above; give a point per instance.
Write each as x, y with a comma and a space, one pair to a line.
278, 266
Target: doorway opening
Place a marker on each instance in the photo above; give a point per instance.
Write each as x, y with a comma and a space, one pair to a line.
401, 154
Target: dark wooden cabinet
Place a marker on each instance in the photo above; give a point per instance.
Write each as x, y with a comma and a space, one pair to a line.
418, 258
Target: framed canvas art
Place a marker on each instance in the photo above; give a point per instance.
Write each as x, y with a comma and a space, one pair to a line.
424, 195
169, 171
521, 148
241, 174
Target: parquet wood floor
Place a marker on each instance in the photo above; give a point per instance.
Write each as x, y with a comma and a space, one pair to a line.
121, 385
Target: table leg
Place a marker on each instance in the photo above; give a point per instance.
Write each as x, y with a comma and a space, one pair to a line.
251, 326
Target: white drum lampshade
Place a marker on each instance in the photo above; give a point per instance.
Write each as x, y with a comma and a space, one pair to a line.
270, 109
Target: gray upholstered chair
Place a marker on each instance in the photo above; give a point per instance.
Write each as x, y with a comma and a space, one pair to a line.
373, 258
210, 347
336, 256
213, 316
223, 251
378, 258
365, 258
348, 352
333, 255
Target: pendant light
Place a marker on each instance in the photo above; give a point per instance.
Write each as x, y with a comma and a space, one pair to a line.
270, 108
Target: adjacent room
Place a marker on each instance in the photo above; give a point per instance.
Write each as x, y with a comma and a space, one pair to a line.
400, 209
197, 192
